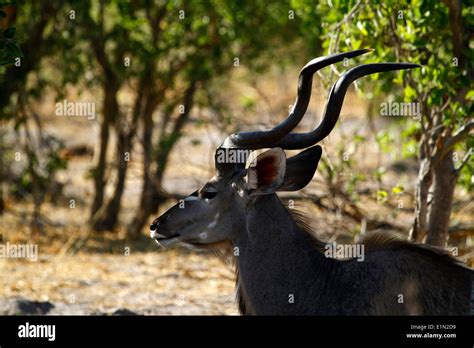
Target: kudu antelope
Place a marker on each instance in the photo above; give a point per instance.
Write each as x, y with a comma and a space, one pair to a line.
281, 266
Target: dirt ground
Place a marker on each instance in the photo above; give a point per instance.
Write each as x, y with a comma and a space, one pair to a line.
150, 283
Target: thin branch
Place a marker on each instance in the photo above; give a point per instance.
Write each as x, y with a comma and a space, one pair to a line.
456, 138
466, 158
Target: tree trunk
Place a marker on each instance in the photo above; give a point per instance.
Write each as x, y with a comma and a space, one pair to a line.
152, 196
425, 179
124, 145
445, 178
148, 188
2, 202
110, 109
109, 220
2, 176
445, 175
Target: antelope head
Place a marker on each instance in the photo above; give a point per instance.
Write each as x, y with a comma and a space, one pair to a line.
217, 212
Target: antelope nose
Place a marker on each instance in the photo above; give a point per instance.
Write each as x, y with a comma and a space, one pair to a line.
153, 228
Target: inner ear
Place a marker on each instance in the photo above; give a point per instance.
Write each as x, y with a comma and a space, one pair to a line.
300, 169
266, 172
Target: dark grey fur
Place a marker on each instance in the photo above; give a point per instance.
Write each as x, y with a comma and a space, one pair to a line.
279, 258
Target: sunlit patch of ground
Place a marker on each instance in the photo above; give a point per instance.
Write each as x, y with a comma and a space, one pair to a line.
159, 283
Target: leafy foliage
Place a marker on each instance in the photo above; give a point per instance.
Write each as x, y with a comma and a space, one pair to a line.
417, 32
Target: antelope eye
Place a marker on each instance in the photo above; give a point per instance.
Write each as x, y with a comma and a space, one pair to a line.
208, 194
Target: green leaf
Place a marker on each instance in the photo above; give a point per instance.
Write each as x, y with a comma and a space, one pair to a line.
410, 92
362, 29
9, 33
13, 50
248, 103
382, 195
398, 189
470, 95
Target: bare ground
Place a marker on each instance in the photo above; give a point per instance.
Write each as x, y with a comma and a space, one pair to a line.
151, 283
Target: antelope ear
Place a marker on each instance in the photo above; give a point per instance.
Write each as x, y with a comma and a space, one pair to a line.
300, 169
266, 172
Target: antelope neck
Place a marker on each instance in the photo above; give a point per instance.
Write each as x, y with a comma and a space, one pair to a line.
276, 260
